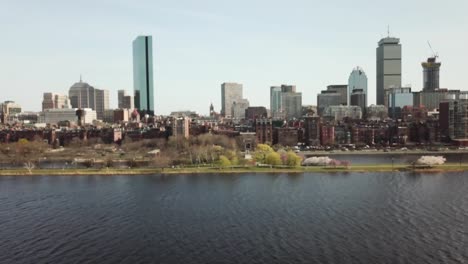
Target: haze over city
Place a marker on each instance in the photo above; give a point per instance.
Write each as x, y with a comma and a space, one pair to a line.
199, 45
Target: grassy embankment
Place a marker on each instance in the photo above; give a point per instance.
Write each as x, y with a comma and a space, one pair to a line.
213, 170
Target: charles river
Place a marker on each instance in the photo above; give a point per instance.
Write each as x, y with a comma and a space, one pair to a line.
246, 218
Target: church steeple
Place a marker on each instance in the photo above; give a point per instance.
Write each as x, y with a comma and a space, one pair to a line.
211, 109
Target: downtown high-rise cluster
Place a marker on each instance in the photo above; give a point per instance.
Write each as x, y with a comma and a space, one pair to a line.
342, 114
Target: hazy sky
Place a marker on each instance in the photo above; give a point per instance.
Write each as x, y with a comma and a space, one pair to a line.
45, 46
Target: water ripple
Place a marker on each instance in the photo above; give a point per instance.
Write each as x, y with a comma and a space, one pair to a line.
310, 218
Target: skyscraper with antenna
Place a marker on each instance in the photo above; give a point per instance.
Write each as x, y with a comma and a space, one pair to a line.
388, 66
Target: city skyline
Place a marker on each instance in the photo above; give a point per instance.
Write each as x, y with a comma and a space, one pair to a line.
197, 67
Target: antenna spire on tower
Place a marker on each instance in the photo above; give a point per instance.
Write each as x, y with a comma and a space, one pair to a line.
388, 30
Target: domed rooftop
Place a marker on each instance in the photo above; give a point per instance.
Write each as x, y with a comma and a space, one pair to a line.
80, 85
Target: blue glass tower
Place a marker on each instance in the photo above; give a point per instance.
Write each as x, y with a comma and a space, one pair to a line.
357, 80
143, 74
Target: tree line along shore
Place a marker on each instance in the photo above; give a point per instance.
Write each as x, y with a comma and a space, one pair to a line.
231, 170
206, 153
203, 150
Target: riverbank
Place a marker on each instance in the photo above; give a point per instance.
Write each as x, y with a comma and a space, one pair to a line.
398, 152
213, 170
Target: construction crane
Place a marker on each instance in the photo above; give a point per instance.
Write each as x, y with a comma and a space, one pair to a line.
435, 55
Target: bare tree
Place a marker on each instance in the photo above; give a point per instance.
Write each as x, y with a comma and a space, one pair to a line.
132, 163
5, 149
109, 163
29, 165
88, 163
162, 161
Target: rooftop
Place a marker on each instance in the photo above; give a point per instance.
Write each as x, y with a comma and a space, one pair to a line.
389, 40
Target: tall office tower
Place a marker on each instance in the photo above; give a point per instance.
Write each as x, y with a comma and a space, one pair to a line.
357, 80
453, 119
48, 101
275, 101
398, 98
62, 101
230, 93
120, 98
55, 101
238, 108
342, 89
288, 88
102, 102
128, 102
143, 73
8, 110
277, 108
82, 95
327, 98
388, 67
125, 101
431, 70
291, 104
359, 98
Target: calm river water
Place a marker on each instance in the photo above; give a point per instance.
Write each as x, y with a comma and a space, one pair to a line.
260, 218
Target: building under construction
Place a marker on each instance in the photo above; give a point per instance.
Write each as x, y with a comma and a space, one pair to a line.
431, 69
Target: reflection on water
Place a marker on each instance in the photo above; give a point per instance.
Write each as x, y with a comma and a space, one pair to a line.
258, 218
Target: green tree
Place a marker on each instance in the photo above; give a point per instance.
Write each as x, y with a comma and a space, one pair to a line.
224, 161
262, 152
273, 158
217, 149
233, 157
235, 160
23, 141
292, 159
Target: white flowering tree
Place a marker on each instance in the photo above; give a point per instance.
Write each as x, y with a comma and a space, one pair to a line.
430, 160
317, 161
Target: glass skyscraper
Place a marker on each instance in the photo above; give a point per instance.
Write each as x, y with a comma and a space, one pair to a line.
275, 101
285, 102
143, 73
357, 80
